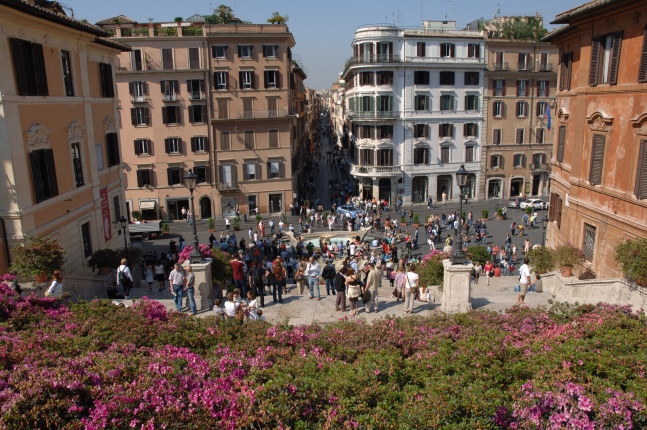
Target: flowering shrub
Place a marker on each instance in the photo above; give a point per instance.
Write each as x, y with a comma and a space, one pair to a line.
431, 269
95, 365
205, 251
41, 255
631, 255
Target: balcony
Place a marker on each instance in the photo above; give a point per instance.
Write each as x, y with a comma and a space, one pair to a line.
140, 98
451, 60
375, 171
546, 67
196, 95
538, 167
231, 187
170, 97
374, 59
500, 66
372, 115
524, 66
261, 114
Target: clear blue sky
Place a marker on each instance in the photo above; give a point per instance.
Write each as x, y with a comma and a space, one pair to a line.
324, 29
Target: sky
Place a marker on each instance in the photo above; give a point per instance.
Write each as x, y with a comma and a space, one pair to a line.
324, 29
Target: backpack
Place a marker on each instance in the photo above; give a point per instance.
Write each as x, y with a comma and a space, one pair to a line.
123, 279
257, 275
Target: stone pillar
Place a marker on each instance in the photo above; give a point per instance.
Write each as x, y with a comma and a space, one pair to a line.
456, 288
376, 188
204, 291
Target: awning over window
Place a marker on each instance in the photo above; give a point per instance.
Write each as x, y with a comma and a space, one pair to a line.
147, 206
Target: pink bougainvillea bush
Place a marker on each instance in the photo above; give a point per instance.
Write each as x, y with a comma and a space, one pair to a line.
96, 365
205, 251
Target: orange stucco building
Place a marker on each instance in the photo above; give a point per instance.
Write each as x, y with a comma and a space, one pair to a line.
599, 163
59, 150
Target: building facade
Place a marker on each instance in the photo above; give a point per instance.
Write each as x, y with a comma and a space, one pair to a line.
413, 110
599, 165
59, 143
521, 81
221, 100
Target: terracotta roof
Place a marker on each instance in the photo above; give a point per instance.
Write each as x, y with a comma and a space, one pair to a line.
564, 17
554, 33
120, 19
111, 43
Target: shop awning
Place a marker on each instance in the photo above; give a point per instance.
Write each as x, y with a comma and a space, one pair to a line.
147, 206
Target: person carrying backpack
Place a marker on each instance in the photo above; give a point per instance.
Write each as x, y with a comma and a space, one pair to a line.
125, 278
255, 274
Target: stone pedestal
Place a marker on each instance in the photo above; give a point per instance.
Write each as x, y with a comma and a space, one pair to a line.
204, 291
456, 288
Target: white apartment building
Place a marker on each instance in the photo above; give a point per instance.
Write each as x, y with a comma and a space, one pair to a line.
414, 110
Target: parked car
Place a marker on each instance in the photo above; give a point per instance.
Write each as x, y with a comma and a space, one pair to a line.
534, 203
344, 209
514, 202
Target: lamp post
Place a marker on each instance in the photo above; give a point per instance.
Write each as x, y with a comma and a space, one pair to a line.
124, 222
544, 224
458, 256
190, 179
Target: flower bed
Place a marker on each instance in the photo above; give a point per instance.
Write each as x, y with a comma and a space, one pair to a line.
96, 365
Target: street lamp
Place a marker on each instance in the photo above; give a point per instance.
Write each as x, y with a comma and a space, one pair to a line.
124, 222
544, 224
190, 179
458, 256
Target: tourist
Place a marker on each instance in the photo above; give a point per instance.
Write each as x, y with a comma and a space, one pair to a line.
537, 286
312, 273
354, 290
340, 288
299, 276
125, 278
189, 282
373, 281
55, 290
328, 274
278, 277
218, 312
488, 271
176, 278
230, 306
524, 280
238, 271
252, 306
410, 288
160, 272
255, 275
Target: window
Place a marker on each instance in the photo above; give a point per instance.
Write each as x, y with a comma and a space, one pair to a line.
43, 174
605, 56
171, 115
86, 238
140, 116
538, 160
367, 104
522, 88
447, 50
116, 206
472, 78
472, 102
473, 50
29, 68
543, 63
499, 87
539, 135
446, 130
224, 141
525, 62
520, 135
107, 85
496, 136
642, 69
136, 62
223, 111
194, 58
447, 102
167, 58
640, 189
138, 91
555, 209
202, 171
385, 157
67, 73
270, 51
98, 150
174, 175
421, 156
385, 78
384, 51
249, 171
227, 175
421, 130
522, 109
198, 114
366, 157
496, 161
112, 147
597, 159
246, 79
219, 51
542, 89
366, 78
199, 144
561, 140
566, 67
470, 129
589, 242
365, 132
444, 154
272, 109
272, 79
421, 77
144, 178
498, 108
422, 102
421, 49
245, 51
249, 140
142, 147
469, 153
220, 80
195, 87
385, 131
248, 108
447, 78
170, 90
541, 108
275, 169
519, 160
385, 104
498, 61
173, 145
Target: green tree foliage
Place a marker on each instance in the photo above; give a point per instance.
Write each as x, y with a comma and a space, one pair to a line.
479, 253
223, 14
278, 18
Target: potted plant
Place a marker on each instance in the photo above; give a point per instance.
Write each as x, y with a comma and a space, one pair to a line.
259, 217
542, 259
416, 220
499, 213
165, 227
211, 224
137, 215
403, 219
567, 257
529, 210
236, 223
485, 215
631, 256
38, 258
105, 260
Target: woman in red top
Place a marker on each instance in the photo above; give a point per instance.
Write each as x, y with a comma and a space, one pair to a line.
487, 269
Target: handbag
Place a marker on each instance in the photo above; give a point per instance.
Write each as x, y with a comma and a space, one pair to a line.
299, 276
414, 290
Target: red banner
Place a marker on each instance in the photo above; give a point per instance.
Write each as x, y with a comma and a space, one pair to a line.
105, 213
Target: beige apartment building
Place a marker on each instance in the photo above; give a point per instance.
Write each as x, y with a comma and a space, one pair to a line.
59, 147
521, 79
221, 100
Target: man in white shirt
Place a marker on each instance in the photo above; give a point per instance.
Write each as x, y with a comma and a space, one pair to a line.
524, 279
312, 273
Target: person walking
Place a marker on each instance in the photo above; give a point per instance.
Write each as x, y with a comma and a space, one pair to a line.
328, 273
312, 273
176, 278
524, 280
189, 283
340, 287
410, 288
373, 281
125, 278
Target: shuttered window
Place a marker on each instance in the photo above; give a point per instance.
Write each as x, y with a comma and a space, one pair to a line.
446, 130
642, 70
605, 57
112, 147
43, 174
145, 177
447, 78
66, 66
167, 58
29, 68
421, 49
565, 73
641, 175
194, 58
561, 140
224, 141
273, 137
223, 111
597, 159
555, 209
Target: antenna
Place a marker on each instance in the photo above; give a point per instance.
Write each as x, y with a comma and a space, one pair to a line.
498, 11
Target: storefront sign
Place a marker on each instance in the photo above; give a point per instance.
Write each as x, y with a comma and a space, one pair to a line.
105, 213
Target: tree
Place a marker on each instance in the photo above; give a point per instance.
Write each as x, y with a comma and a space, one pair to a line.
278, 18
223, 14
